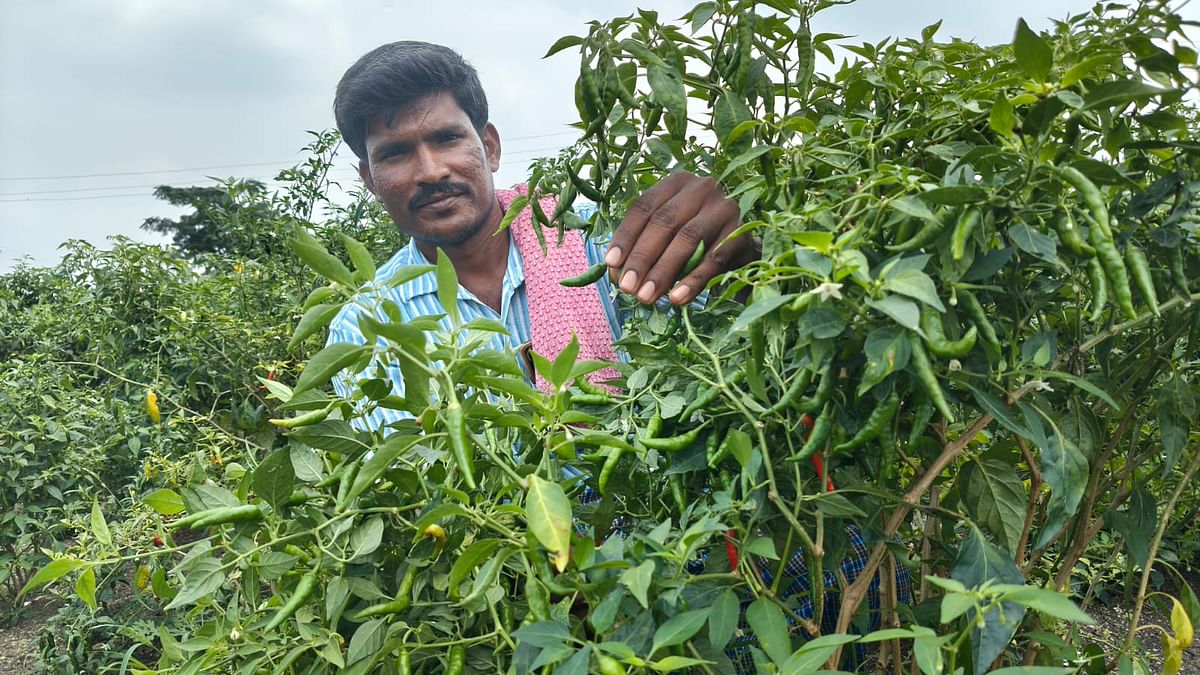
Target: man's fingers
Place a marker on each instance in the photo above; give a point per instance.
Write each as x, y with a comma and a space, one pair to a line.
706, 226
669, 233
721, 257
638, 216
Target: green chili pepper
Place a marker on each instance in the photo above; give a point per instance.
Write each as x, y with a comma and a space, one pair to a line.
610, 465
707, 396
536, 597
675, 482
880, 417
653, 118
654, 426
745, 34
929, 231
607, 665
401, 602
404, 662
963, 230
931, 324
592, 399
1095, 274
673, 443
310, 417
460, 442
805, 59
589, 276
304, 589
1092, 197
798, 384
820, 433
332, 478
1178, 270
344, 485
991, 342
1142, 277
714, 445
920, 422
923, 370
585, 188
588, 387
221, 515
456, 661
1069, 235
694, 261
754, 362
591, 91
829, 377
887, 450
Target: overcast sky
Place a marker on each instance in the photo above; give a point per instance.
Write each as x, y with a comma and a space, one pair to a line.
101, 100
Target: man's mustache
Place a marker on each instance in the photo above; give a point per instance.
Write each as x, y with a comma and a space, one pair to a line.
428, 193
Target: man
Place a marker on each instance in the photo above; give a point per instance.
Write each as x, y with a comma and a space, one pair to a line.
416, 116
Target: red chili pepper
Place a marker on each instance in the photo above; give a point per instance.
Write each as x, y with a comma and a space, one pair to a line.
158, 541
731, 550
818, 463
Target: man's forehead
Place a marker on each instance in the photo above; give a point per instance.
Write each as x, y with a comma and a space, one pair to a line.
419, 110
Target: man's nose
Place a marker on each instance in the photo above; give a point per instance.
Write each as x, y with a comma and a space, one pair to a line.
430, 165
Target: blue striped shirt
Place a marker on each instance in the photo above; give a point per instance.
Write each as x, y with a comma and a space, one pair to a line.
418, 297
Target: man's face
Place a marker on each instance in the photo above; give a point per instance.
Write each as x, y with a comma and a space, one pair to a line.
432, 170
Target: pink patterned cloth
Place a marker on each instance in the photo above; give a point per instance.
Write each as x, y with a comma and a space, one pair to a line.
557, 311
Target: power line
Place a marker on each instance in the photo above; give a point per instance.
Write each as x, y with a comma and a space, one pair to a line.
231, 166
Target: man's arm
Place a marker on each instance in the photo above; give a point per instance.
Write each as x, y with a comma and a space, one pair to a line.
662, 229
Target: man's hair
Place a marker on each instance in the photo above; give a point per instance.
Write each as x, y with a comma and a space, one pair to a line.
392, 76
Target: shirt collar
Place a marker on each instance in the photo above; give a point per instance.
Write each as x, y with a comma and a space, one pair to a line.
426, 284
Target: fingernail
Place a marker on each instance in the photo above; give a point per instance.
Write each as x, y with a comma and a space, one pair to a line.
613, 257
680, 293
629, 281
646, 293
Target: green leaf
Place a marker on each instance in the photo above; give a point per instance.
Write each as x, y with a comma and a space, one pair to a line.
678, 629
1032, 53
85, 588
307, 464
327, 363
821, 323
913, 207
364, 265
447, 286
367, 640
1033, 242
543, 634
99, 526
745, 157
676, 664
722, 619
887, 351
468, 560
564, 362
666, 87
758, 310
994, 496
274, 478
564, 42
1119, 93
637, 580
577, 664
53, 570
203, 578
1065, 470
1083, 384
381, 460
549, 515
314, 254
955, 605
164, 502
770, 627
901, 310
1048, 602
837, 506
979, 561
1002, 119
1001, 412
916, 285
365, 538
813, 655
315, 319
602, 615
927, 650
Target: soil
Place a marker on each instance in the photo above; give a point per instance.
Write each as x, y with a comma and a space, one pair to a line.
18, 643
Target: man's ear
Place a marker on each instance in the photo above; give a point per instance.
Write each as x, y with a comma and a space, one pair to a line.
491, 146
364, 171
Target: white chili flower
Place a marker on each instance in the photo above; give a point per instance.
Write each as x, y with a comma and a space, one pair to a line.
827, 290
